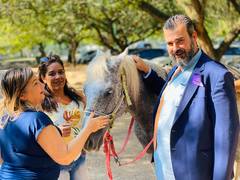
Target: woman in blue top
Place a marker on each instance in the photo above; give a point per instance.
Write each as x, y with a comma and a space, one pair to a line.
31, 146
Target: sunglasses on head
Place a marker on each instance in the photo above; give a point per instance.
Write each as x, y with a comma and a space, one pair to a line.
46, 59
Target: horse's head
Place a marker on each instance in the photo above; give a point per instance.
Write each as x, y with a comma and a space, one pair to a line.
104, 90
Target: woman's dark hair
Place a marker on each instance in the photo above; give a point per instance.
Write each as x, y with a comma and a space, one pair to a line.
49, 104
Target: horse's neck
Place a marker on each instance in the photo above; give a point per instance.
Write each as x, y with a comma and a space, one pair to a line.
142, 112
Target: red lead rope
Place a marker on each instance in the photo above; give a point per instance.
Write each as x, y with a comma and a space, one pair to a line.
109, 150
107, 141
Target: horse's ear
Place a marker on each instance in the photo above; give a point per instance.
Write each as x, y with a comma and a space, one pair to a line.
115, 61
123, 54
99, 53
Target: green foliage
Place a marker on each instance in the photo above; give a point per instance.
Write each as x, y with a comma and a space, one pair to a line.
112, 23
220, 18
19, 30
119, 23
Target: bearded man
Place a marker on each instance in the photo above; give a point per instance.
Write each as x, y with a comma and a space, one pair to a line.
196, 119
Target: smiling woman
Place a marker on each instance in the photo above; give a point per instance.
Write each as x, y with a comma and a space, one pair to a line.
65, 107
61, 103
31, 146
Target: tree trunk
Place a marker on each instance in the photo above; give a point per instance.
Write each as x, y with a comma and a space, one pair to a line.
69, 56
42, 50
21, 53
236, 5
72, 51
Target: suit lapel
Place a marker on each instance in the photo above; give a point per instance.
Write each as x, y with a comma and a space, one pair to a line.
190, 88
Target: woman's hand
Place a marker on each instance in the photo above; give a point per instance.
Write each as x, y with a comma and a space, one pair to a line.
67, 116
94, 124
65, 129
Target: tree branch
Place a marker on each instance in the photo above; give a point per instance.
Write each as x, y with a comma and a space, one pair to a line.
229, 38
154, 12
104, 40
235, 5
199, 10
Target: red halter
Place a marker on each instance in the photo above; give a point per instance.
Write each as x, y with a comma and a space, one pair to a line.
109, 150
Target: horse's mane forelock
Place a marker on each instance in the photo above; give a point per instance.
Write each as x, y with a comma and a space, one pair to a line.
98, 69
132, 77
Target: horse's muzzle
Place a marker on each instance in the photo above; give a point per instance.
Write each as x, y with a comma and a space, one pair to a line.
94, 141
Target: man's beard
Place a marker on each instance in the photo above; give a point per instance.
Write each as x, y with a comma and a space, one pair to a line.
184, 57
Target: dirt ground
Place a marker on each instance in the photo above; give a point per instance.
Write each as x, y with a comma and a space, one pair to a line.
140, 170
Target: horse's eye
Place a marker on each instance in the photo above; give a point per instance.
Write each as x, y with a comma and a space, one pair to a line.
108, 91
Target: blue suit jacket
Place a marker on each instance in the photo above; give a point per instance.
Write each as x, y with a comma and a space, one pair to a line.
206, 126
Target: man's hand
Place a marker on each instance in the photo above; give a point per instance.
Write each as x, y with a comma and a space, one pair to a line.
140, 64
237, 85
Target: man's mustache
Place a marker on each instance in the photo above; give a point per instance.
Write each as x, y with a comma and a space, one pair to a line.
179, 52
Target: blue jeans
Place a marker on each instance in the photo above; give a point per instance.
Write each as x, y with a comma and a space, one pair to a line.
74, 167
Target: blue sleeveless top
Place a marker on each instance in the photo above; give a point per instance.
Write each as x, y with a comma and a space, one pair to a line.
22, 155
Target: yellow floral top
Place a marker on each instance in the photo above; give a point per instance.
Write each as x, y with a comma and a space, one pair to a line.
76, 113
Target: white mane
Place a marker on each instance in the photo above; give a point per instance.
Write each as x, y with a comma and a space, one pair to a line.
98, 69
132, 77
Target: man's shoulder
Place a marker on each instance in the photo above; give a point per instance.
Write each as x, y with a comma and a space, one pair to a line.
213, 67
214, 71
